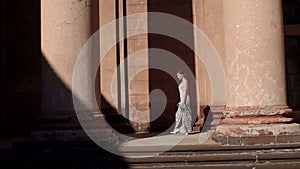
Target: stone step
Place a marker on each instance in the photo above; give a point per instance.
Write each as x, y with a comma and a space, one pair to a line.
293, 164
226, 158
85, 154
194, 156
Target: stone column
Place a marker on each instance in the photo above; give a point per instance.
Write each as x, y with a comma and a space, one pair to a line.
256, 104
65, 27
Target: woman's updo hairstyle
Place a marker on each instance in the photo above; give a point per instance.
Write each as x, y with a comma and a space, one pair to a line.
182, 73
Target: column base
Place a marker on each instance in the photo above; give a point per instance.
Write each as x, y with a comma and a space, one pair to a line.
216, 116
200, 118
210, 118
257, 134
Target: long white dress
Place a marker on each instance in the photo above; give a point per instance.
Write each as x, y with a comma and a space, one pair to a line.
183, 113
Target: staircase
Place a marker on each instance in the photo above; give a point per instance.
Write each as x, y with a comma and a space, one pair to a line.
84, 154
223, 158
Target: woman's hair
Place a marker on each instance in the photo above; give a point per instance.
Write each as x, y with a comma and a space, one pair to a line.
182, 73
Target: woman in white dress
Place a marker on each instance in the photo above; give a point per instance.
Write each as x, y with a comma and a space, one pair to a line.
183, 116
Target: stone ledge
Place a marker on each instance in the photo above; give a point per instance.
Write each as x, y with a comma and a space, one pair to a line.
257, 134
258, 130
257, 140
256, 120
257, 111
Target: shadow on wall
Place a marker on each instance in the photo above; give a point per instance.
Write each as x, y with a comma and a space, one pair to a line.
54, 151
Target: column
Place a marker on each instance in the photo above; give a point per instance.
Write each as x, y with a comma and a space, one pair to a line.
256, 104
65, 27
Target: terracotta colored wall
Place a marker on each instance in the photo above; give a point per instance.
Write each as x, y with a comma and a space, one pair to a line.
136, 93
109, 63
139, 99
207, 15
208, 20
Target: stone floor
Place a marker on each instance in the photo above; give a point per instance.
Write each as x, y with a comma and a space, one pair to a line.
169, 141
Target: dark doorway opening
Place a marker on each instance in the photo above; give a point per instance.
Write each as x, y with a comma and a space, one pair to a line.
291, 15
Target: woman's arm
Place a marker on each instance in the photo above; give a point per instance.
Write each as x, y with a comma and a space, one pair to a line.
185, 89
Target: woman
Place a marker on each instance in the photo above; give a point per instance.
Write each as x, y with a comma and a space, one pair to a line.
183, 114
